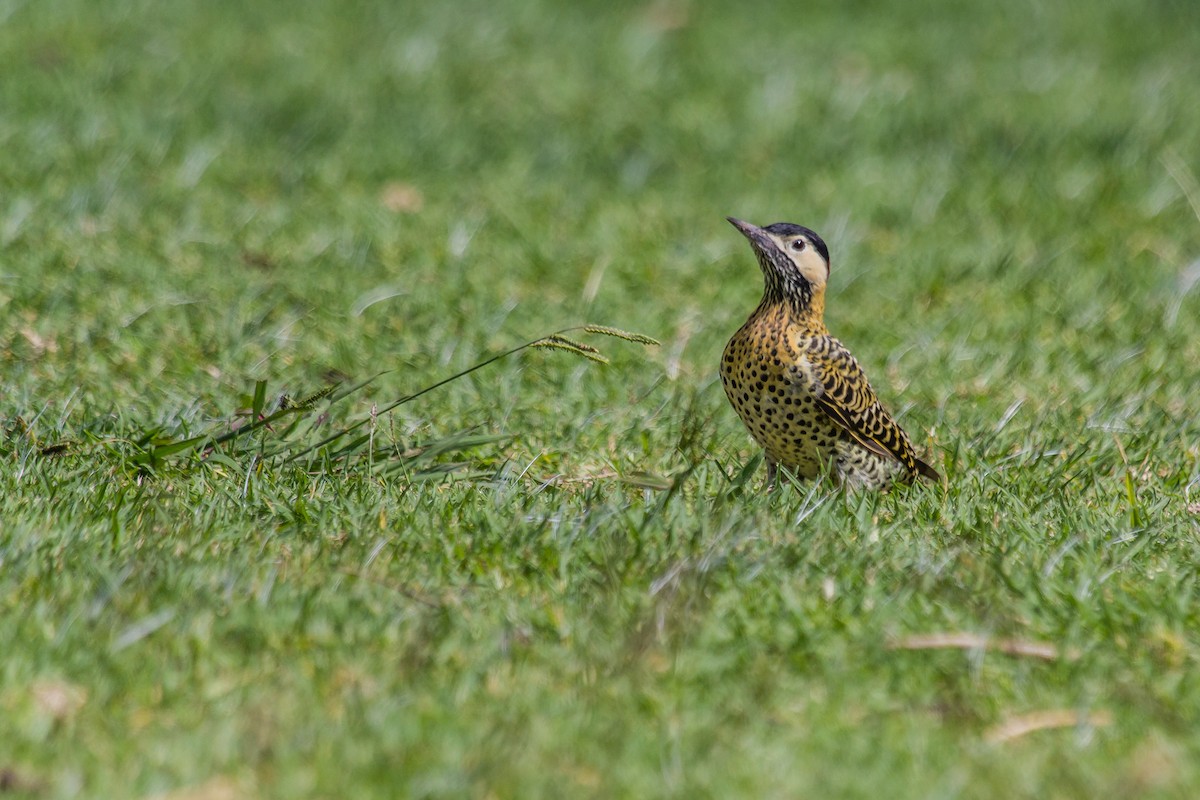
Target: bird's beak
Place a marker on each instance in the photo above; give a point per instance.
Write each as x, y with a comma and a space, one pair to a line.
757, 236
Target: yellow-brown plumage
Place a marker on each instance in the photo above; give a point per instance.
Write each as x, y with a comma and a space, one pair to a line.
800, 392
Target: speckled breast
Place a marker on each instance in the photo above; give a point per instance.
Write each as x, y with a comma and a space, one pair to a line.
770, 386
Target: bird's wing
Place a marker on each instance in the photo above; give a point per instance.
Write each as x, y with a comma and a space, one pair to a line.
845, 395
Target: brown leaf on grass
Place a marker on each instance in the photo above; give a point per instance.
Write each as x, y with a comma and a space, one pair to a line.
57, 699
1023, 724
402, 198
258, 260
39, 344
963, 640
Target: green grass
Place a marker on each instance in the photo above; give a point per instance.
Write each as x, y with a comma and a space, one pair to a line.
556, 578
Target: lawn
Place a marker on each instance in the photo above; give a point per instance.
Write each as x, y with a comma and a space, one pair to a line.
234, 235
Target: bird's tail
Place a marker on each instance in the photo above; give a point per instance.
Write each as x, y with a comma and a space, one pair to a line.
926, 471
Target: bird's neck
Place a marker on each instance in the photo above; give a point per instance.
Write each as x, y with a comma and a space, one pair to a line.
805, 312
806, 301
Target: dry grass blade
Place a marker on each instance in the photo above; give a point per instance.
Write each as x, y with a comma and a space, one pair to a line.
553, 341
560, 342
558, 337
628, 336
1024, 724
962, 640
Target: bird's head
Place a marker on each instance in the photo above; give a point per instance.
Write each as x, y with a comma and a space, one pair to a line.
794, 261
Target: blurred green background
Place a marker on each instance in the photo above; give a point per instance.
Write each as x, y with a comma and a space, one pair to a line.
198, 196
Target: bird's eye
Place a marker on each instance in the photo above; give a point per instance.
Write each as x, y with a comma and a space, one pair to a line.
798, 245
